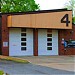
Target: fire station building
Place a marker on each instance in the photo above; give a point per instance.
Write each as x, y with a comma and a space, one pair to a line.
45, 32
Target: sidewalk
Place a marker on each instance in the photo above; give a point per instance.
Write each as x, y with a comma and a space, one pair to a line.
58, 62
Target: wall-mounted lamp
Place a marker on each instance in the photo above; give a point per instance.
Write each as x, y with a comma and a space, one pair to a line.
62, 42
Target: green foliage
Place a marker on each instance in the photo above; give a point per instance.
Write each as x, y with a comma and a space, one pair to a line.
18, 60
74, 20
1, 72
18, 5
71, 6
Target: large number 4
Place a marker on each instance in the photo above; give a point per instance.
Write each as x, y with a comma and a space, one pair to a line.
65, 19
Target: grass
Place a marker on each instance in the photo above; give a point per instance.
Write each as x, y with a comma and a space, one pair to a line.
8, 58
1, 72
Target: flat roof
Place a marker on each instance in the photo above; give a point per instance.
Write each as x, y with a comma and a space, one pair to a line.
35, 12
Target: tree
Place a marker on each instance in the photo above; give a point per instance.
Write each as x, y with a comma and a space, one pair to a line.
71, 6
18, 6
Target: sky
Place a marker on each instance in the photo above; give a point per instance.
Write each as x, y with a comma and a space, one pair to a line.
51, 4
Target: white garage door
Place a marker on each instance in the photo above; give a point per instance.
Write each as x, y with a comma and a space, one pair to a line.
47, 42
20, 42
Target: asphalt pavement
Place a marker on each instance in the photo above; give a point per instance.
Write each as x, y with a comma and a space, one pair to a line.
58, 62
13, 68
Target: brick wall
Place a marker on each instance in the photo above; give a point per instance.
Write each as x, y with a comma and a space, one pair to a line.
67, 35
0, 34
5, 36
35, 31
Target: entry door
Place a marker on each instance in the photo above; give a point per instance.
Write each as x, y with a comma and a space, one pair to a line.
20, 42
47, 42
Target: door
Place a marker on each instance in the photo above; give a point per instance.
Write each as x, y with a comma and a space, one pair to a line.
20, 42
47, 42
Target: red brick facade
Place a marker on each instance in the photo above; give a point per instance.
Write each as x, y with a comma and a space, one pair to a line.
67, 35
5, 36
35, 31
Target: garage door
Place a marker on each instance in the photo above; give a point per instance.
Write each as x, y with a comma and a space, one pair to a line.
47, 42
20, 42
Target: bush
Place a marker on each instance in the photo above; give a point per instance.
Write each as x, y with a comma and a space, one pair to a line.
1, 72
74, 20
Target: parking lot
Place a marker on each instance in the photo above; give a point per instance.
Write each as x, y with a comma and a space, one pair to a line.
40, 65
58, 62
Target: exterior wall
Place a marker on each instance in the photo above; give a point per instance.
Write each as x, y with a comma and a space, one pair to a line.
0, 34
35, 41
67, 35
41, 20
5, 36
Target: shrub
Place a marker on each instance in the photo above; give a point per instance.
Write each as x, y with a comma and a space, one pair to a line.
74, 20
1, 72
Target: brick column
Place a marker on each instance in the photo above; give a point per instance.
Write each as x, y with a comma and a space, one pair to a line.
35, 32
67, 35
5, 36
0, 34
60, 46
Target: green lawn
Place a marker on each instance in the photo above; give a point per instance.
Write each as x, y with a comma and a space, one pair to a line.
1, 72
19, 60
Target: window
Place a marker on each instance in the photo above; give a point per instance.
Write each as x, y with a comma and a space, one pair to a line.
23, 34
49, 39
23, 39
49, 44
49, 48
23, 48
49, 30
23, 44
49, 35
23, 29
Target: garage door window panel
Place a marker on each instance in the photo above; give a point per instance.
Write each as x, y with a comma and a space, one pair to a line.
49, 44
49, 48
23, 44
49, 39
23, 34
49, 31
23, 29
49, 35
23, 39
23, 48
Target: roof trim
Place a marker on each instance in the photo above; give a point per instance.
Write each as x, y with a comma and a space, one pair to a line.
35, 12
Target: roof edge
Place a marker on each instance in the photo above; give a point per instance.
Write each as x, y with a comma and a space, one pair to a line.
35, 12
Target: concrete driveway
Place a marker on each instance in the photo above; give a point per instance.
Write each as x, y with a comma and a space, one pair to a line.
66, 63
